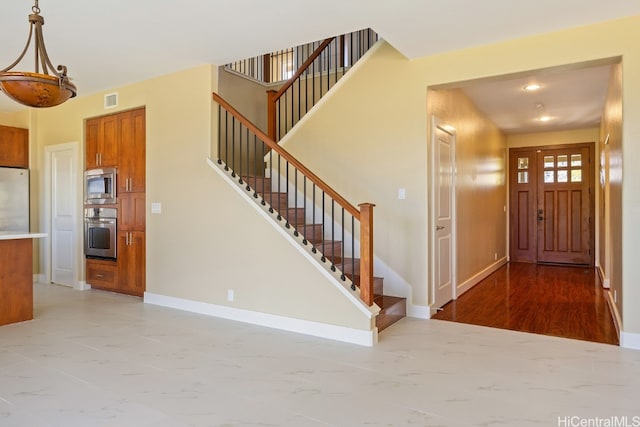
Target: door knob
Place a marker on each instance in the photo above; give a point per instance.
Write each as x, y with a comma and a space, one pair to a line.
439, 227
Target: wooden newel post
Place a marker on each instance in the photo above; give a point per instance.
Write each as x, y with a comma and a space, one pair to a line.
271, 114
366, 252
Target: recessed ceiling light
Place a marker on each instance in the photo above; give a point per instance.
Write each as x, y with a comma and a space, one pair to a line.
539, 106
532, 87
544, 118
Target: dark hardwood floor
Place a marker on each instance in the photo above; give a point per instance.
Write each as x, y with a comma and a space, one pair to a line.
543, 299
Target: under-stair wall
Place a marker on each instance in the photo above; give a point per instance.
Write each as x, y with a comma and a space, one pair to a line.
272, 281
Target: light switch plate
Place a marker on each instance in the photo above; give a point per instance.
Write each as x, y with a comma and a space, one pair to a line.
156, 208
402, 193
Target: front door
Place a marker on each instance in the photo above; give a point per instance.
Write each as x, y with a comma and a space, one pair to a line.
551, 204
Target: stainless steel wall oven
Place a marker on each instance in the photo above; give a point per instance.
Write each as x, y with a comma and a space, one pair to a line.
100, 232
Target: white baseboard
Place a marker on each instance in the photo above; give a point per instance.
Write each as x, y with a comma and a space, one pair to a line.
617, 319
606, 283
476, 278
629, 340
307, 327
418, 311
81, 286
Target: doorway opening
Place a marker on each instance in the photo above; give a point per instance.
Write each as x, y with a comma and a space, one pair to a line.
530, 185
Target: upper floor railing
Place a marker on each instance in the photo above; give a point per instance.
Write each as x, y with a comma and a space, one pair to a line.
305, 74
279, 66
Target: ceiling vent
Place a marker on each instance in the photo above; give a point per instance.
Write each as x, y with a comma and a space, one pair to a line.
111, 100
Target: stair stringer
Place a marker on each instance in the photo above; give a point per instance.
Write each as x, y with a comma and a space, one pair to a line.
333, 278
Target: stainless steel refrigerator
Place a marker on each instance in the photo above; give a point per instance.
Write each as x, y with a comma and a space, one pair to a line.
14, 199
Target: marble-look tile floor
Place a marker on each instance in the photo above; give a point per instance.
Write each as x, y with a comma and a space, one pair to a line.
98, 359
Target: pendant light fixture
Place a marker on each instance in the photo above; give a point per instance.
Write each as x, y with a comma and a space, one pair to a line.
45, 87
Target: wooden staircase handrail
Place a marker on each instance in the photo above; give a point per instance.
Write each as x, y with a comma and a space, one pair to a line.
364, 215
288, 157
306, 64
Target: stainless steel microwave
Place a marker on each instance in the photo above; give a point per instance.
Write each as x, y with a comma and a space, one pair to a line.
100, 186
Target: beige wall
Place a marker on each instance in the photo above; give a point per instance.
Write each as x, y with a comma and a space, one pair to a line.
575, 136
362, 141
19, 119
481, 189
246, 96
610, 155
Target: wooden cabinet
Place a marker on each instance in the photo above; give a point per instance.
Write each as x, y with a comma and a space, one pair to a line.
131, 262
14, 147
132, 151
102, 274
131, 211
119, 141
102, 142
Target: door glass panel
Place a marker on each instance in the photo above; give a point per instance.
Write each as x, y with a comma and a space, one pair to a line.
523, 163
563, 176
576, 175
549, 162
576, 160
562, 161
549, 177
523, 177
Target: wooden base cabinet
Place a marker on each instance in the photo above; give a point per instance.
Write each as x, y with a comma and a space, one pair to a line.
131, 262
102, 274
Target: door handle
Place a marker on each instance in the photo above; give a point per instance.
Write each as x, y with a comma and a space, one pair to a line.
540, 217
439, 227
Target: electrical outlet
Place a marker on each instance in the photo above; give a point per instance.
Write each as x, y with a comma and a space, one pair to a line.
402, 193
230, 295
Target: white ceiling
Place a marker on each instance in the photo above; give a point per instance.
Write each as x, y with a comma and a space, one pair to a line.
118, 42
572, 99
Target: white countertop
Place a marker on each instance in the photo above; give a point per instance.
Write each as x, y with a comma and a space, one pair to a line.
13, 235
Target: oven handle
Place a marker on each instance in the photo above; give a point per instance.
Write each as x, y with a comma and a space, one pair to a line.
100, 220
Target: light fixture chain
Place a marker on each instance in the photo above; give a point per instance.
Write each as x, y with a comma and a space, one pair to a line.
35, 8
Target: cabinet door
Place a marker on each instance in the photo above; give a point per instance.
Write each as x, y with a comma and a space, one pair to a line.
91, 146
108, 141
102, 274
132, 150
14, 147
101, 142
131, 262
132, 211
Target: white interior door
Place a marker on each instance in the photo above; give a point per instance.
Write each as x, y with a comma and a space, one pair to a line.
443, 202
64, 205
